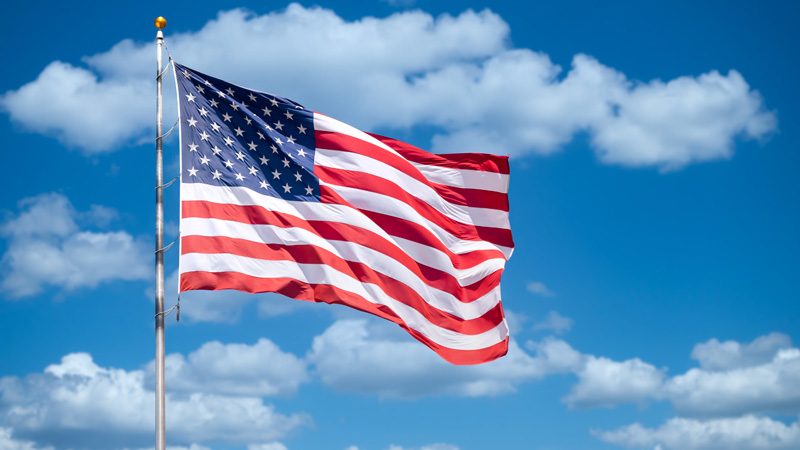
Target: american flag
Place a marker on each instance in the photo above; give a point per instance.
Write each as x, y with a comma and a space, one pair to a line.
278, 198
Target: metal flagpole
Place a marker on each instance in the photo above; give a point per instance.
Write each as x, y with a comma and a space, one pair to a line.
161, 413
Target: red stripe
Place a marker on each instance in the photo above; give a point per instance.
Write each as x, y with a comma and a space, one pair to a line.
468, 196
309, 254
372, 183
259, 215
334, 231
325, 293
470, 161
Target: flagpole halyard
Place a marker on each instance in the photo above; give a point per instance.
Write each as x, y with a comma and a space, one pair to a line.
160, 390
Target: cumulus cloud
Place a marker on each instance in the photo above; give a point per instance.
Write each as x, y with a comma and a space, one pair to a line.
768, 387
604, 383
370, 357
555, 322
459, 74
47, 247
743, 433
78, 404
715, 355
261, 369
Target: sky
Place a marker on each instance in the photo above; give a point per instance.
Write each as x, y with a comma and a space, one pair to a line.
651, 295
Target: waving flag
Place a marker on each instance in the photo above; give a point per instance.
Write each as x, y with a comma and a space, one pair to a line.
278, 198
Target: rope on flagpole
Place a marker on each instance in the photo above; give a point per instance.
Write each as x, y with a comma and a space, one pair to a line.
166, 185
162, 250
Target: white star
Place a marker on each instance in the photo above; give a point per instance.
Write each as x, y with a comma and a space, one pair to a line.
215, 126
289, 115
309, 190
193, 147
244, 105
301, 129
301, 153
298, 176
203, 111
279, 141
200, 89
221, 94
214, 103
252, 146
286, 162
253, 170
228, 141
274, 149
193, 172
216, 174
274, 102
186, 74
229, 91
228, 164
206, 83
216, 150
279, 125
252, 97
239, 176
192, 122
286, 188
239, 131
247, 119
204, 159
190, 97
227, 117
260, 136
264, 161
240, 156
264, 185
204, 136
290, 140
234, 106
276, 174
267, 111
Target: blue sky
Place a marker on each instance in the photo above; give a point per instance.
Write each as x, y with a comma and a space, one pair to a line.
654, 204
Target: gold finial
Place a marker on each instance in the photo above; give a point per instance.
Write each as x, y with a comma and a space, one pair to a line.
161, 22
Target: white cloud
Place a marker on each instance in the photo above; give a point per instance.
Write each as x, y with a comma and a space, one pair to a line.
46, 247
261, 369
555, 322
606, 383
424, 447
7, 442
537, 287
78, 404
377, 358
458, 74
715, 355
743, 433
270, 446
769, 387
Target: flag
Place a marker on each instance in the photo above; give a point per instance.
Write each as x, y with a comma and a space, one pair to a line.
279, 198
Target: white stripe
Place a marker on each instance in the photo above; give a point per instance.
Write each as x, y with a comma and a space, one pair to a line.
348, 251
484, 217
390, 206
465, 178
325, 123
323, 274
314, 211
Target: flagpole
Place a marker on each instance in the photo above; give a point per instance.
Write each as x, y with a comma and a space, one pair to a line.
161, 419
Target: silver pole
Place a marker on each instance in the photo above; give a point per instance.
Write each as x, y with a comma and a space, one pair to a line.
161, 413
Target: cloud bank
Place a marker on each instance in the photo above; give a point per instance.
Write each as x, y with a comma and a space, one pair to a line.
459, 74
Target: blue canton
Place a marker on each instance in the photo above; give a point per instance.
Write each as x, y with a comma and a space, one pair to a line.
232, 136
